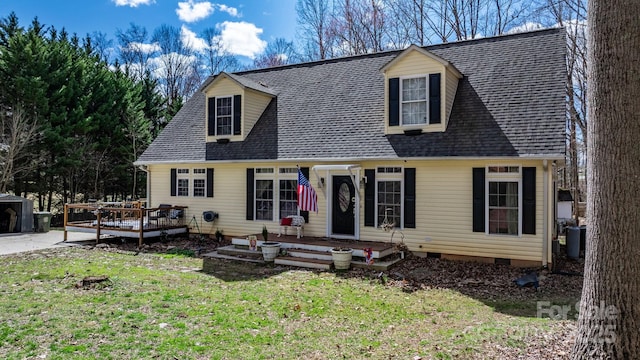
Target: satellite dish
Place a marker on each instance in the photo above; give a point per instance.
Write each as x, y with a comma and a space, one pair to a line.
209, 216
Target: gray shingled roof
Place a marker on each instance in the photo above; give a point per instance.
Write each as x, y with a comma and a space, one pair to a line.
511, 102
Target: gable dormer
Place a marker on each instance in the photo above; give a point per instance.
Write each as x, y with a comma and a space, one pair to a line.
233, 106
419, 91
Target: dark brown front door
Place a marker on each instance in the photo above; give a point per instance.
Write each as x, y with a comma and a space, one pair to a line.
342, 219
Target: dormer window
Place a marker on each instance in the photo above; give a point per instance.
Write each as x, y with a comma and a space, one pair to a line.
414, 101
224, 114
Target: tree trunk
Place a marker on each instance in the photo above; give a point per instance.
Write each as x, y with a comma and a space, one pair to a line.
609, 322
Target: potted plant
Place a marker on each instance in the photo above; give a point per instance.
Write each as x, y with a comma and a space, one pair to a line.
270, 249
342, 257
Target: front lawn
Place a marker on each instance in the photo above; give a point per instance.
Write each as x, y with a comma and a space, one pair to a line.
163, 306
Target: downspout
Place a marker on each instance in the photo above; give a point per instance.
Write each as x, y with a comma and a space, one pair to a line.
545, 213
146, 170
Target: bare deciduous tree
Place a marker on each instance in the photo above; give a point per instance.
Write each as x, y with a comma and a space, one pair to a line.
609, 322
18, 132
135, 51
314, 17
176, 66
215, 57
278, 52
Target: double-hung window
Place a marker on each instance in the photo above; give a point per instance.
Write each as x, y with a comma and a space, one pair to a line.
199, 182
389, 196
182, 182
503, 193
224, 115
288, 189
414, 101
264, 194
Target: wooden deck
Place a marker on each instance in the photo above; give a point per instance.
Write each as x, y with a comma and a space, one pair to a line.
124, 220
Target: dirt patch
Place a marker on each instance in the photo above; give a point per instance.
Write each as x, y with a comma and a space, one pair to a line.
187, 246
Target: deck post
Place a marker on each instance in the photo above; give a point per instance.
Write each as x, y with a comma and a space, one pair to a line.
98, 231
141, 228
66, 213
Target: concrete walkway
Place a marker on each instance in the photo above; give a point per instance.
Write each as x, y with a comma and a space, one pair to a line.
17, 243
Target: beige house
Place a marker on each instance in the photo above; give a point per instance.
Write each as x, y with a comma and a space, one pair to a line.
452, 146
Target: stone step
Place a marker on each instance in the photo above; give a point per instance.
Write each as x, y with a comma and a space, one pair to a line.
239, 252
303, 262
309, 254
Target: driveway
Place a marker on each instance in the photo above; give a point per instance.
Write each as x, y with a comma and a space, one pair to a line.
16, 243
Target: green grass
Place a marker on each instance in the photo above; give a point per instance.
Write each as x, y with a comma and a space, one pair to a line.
162, 307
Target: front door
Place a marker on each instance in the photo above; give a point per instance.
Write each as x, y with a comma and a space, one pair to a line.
344, 197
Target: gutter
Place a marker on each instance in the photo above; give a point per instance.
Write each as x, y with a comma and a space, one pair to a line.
545, 212
355, 159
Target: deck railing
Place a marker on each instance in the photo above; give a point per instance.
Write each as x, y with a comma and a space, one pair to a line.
125, 219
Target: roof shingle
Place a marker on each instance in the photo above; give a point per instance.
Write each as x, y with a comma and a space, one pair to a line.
510, 102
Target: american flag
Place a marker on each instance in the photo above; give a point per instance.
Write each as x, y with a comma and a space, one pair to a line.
307, 198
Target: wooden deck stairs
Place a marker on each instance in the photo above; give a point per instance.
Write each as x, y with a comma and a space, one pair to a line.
308, 252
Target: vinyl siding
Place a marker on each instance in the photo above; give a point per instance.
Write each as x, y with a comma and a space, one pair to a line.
451, 83
444, 214
253, 105
443, 208
229, 199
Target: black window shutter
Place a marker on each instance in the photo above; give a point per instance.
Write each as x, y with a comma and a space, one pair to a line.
305, 172
409, 197
370, 198
478, 199
250, 190
211, 123
209, 182
434, 99
174, 182
529, 200
237, 106
394, 101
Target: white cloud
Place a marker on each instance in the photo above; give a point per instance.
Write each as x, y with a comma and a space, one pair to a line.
241, 38
228, 9
528, 26
191, 40
133, 3
191, 11
144, 48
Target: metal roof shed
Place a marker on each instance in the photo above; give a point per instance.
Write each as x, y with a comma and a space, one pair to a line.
16, 214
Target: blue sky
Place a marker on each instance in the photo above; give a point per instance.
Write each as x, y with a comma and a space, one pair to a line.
246, 26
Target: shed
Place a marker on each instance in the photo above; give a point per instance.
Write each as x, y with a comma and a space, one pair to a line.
565, 204
16, 214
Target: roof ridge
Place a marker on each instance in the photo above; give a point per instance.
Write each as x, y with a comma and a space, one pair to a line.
387, 52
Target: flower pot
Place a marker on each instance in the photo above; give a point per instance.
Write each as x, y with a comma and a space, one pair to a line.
341, 258
270, 250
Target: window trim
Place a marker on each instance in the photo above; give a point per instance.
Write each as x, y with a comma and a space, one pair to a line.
275, 175
401, 101
515, 177
383, 176
199, 174
231, 115
183, 174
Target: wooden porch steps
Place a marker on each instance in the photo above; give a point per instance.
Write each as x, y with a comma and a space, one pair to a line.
313, 253
304, 262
